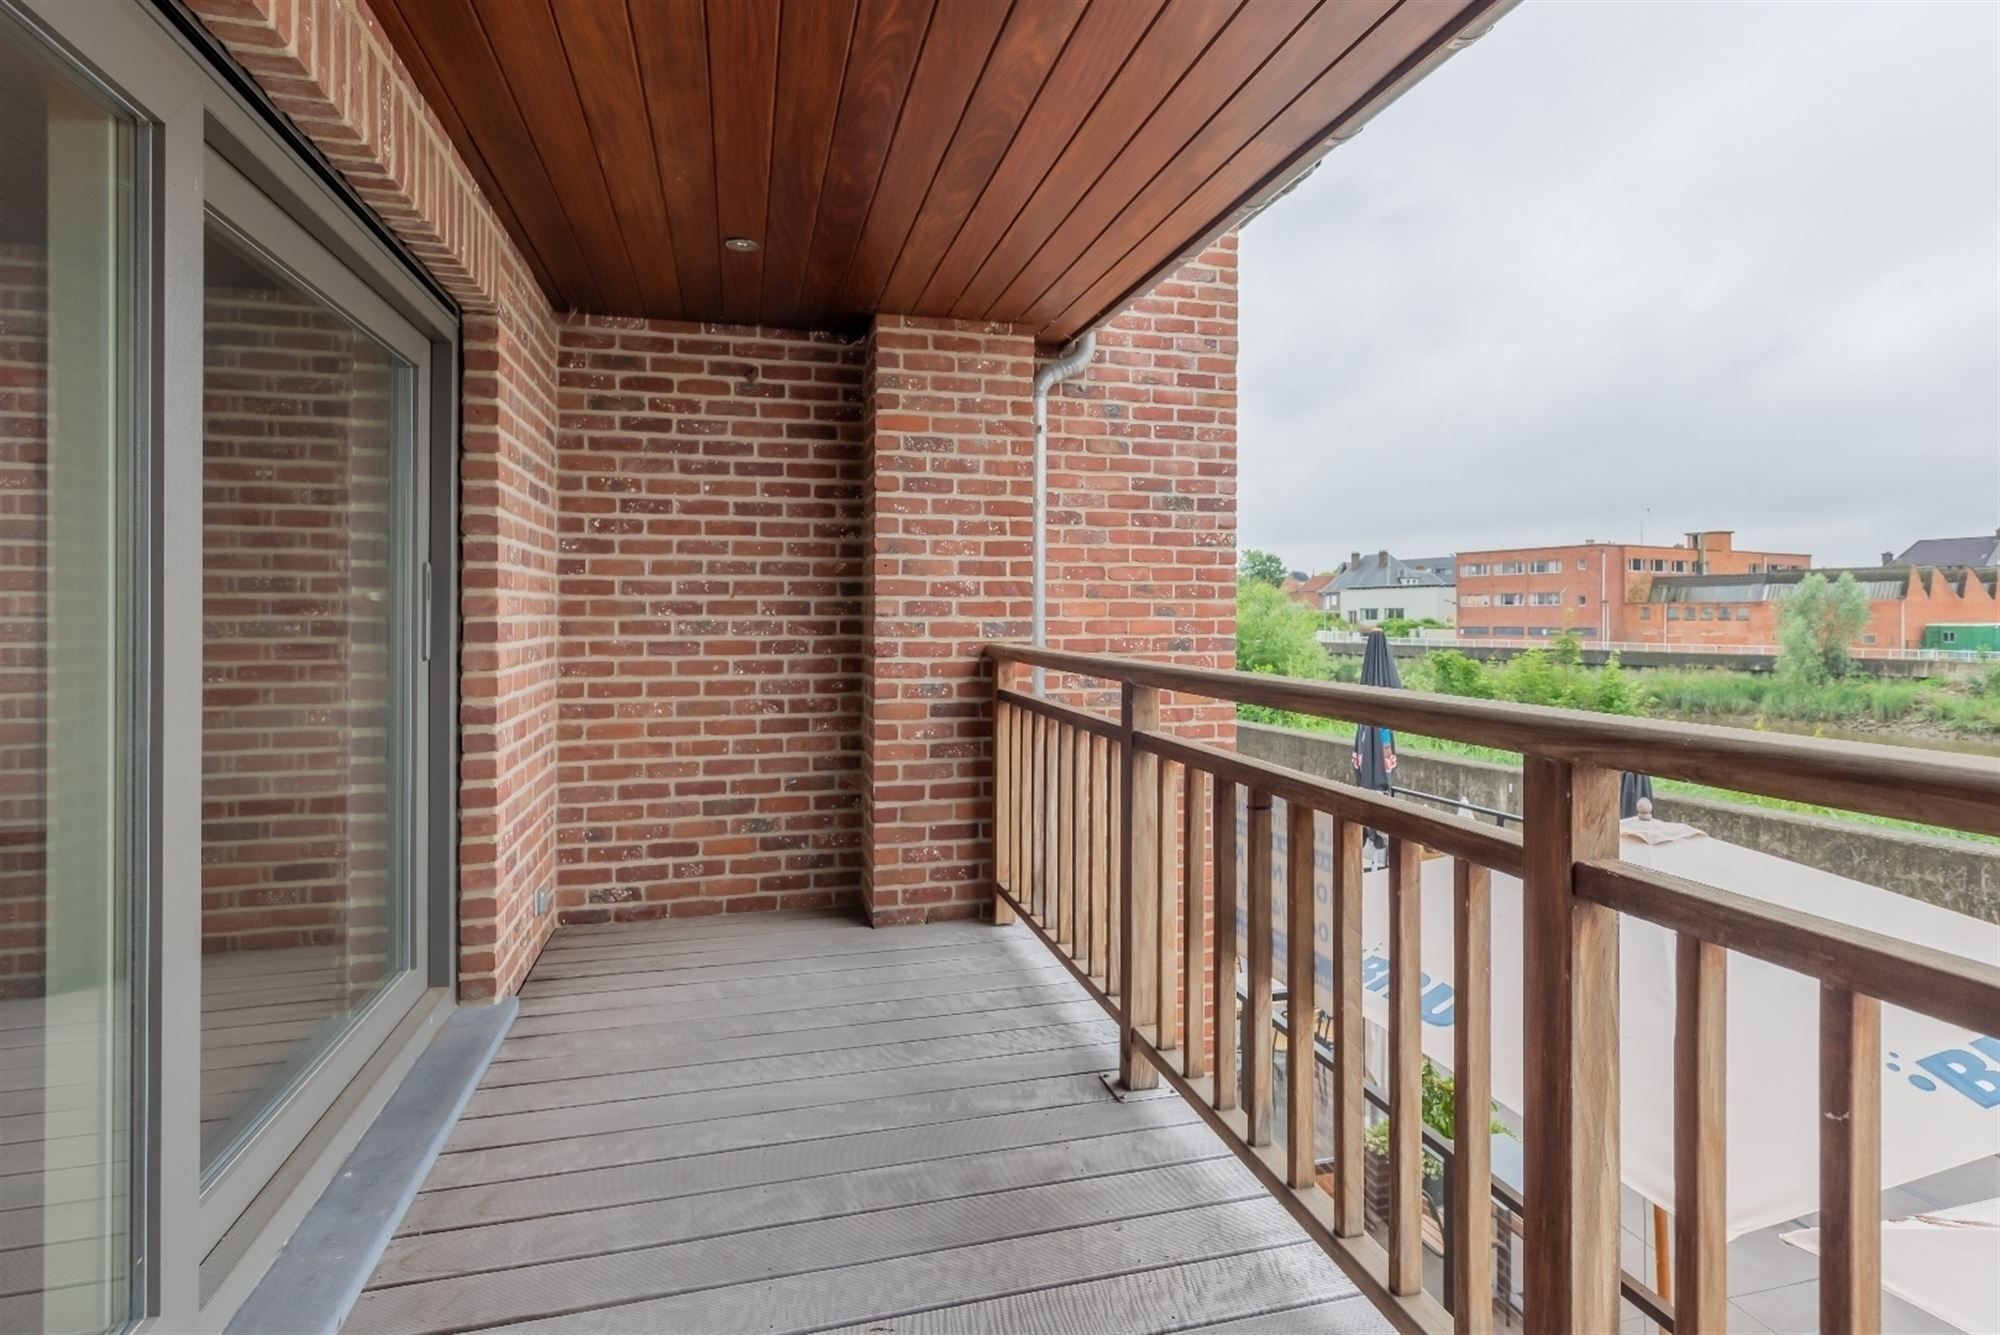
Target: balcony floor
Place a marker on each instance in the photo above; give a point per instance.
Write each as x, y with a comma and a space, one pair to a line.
793, 1122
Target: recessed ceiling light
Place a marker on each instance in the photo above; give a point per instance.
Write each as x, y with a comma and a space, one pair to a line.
742, 245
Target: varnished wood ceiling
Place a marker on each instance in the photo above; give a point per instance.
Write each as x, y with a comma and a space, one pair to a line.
1038, 162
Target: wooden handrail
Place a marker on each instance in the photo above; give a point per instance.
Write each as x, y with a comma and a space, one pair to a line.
1107, 846
1934, 788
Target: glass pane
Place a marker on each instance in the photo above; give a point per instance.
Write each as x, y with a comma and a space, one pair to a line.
66, 235
304, 884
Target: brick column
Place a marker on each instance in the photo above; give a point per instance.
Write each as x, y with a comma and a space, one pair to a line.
948, 520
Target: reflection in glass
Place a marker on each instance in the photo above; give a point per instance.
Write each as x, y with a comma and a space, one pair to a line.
66, 895
303, 837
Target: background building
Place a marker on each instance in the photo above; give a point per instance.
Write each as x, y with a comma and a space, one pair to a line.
1537, 591
1904, 603
1370, 590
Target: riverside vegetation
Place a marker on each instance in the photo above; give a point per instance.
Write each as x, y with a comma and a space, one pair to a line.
1811, 687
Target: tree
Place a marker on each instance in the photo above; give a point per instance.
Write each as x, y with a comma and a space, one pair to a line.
1275, 634
1817, 625
1261, 568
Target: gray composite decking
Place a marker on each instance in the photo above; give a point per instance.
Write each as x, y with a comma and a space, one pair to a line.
793, 1122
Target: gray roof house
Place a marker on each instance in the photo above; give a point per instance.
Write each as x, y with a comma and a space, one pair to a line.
1983, 550
1377, 587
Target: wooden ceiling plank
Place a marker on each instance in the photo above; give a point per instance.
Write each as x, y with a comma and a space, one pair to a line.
1036, 36
813, 44
959, 52
1256, 33
523, 34
1170, 48
472, 83
1376, 61
887, 41
672, 49
743, 94
597, 43
440, 100
1314, 48
1097, 50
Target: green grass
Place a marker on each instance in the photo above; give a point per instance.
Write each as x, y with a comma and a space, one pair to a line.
1971, 707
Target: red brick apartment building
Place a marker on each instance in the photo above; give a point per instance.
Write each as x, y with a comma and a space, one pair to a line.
1535, 592
1730, 611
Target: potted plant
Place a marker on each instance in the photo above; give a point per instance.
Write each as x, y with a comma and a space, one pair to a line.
1439, 1113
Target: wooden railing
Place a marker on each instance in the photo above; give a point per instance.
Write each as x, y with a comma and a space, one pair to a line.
1144, 908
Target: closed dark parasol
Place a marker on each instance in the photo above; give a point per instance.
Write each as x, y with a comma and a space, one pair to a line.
1375, 748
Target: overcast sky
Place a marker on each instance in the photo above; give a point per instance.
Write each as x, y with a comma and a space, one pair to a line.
1735, 262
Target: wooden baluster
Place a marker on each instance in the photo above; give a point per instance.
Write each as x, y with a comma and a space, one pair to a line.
1850, 1162
1701, 1203
1114, 903
1194, 926
1023, 798
1349, 1115
1257, 1042
1079, 877
1168, 887
1100, 860
1406, 1060
1302, 989
1472, 1083
1064, 926
1038, 807
1051, 818
1227, 1024
1570, 1040
1003, 807
1139, 899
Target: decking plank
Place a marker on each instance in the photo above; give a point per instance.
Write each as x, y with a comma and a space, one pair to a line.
782, 991
579, 1130
1087, 1115
796, 1123
1173, 1298
633, 1086
537, 1241
946, 1105
667, 1051
885, 1290
825, 1247
667, 1028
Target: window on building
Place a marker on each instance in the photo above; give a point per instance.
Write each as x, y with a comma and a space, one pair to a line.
1708, 614
1545, 599
1475, 568
1371, 614
1742, 614
1645, 614
1473, 630
1868, 639
1508, 599
1582, 600
1513, 631
1395, 614
1659, 565
1673, 614
1545, 567
1950, 636
1756, 567
1636, 564
1508, 568
1680, 567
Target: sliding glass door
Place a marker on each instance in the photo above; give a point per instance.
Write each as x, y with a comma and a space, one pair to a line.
225, 680
308, 594
67, 440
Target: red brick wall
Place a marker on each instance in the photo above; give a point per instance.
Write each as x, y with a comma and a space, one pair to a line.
508, 653
1142, 490
710, 497
948, 513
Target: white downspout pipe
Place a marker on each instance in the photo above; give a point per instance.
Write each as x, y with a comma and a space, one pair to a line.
1069, 364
